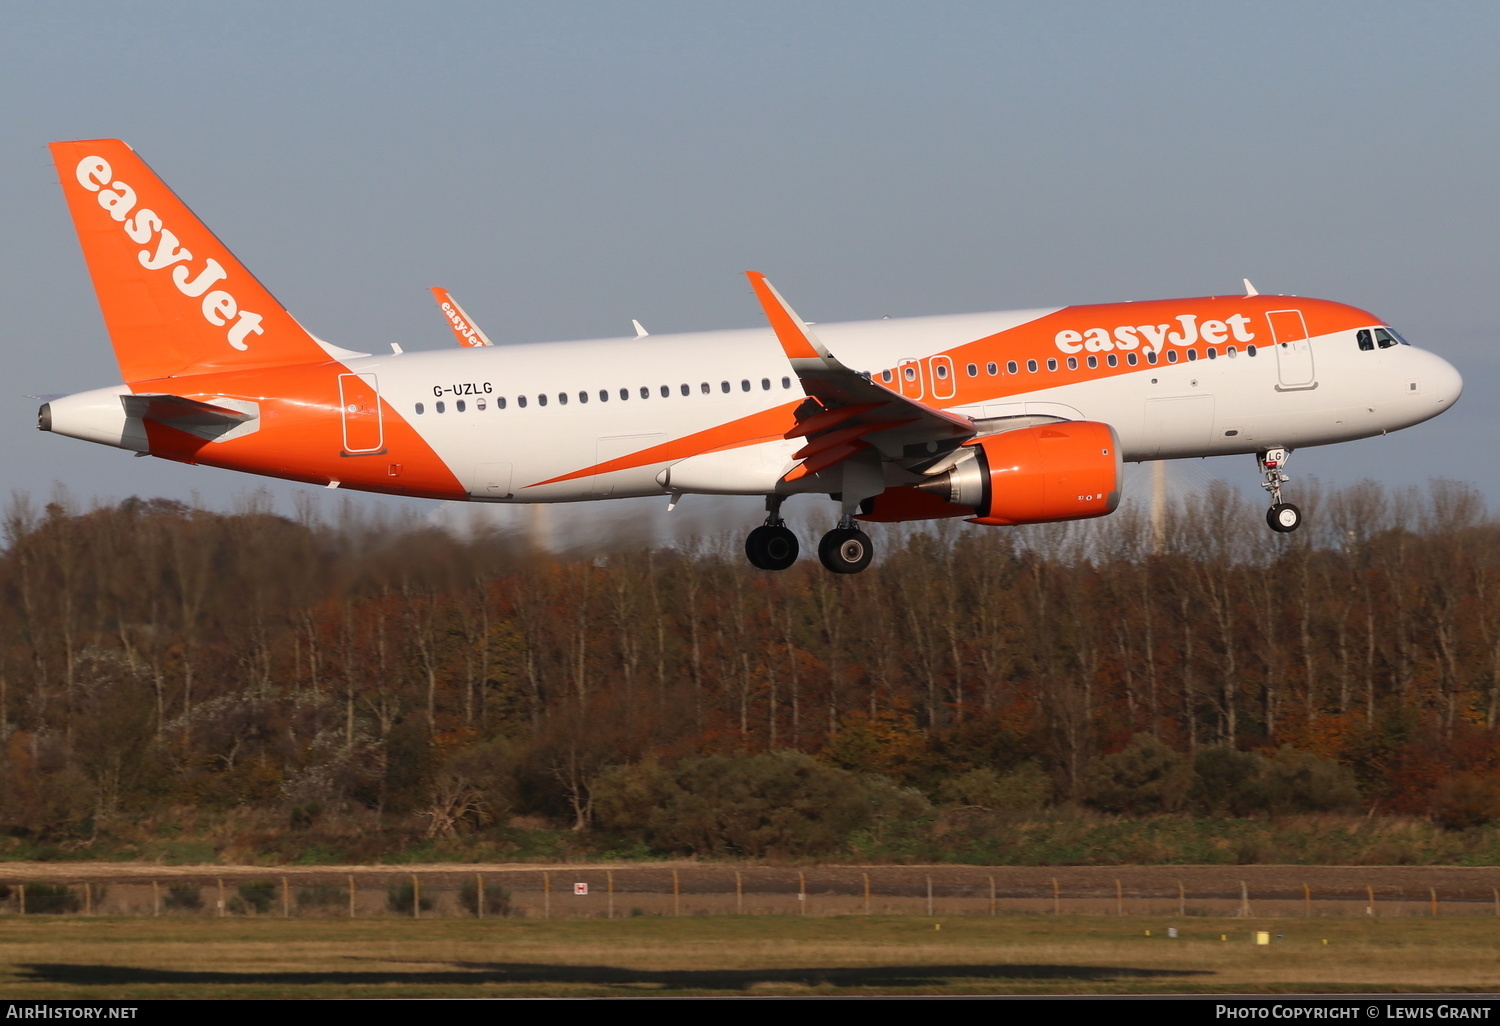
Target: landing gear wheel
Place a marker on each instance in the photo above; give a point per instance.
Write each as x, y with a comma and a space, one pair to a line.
771, 547
846, 550
1284, 517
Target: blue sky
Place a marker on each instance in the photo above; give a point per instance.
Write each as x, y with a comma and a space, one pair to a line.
564, 167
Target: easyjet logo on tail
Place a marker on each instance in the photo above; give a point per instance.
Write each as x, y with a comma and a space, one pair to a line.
219, 306
1156, 337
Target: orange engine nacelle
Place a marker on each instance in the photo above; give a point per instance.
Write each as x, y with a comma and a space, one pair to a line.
1070, 470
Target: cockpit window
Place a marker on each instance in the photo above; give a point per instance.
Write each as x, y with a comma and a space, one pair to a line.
1387, 337
1366, 340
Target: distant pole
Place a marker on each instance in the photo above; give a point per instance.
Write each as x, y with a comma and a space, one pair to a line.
867, 892
609, 877
802, 891
222, 910
156, 899
478, 896
351, 895
546, 895
929, 897
1056, 899
1244, 900
1181, 899
992, 896
739, 893
1306, 901
676, 894
1370, 891
1119, 899
286, 900
21, 889
88, 899
416, 897
1433, 892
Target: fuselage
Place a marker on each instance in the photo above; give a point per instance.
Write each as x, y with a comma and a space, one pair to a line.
708, 411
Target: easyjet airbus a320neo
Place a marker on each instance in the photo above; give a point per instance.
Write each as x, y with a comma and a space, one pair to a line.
1001, 418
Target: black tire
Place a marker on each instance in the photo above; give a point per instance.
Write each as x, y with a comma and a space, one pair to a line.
771, 547
846, 551
1284, 518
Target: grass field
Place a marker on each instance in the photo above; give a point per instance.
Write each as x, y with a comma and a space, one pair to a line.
73, 957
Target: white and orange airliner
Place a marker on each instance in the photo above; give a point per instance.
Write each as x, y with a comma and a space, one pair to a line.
1001, 418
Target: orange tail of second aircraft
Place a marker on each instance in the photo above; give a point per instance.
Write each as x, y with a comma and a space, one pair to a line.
175, 300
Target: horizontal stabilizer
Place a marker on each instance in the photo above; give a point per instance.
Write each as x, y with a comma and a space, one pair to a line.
179, 412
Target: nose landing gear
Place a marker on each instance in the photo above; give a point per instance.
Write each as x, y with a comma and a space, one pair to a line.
1282, 517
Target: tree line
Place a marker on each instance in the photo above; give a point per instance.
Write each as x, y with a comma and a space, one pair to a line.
155, 656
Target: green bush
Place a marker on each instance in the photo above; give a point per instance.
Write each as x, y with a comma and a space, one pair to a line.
258, 894
1302, 782
1146, 777
184, 897
51, 899
1027, 788
1467, 800
1227, 782
399, 898
496, 899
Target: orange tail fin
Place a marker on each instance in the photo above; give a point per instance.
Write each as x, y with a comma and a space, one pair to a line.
175, 300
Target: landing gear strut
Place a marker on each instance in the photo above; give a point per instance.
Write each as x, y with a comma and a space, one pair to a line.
846, 549
1282, 517
772, 545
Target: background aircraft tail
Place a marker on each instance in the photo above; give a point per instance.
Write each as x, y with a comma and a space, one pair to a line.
175, 300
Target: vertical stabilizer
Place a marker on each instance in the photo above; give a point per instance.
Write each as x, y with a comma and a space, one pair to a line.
175, 300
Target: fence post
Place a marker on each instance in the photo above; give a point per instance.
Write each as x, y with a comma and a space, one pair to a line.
351, 895
1244, 900
222, 909
676, 894
867, 892
478, 895
802, 892
929, 897
1370, 891
992, 896
739, 894
1433, 892
155, 898
286, 900
1056, 899
88, 899
416, 897
546, 895
1497, 901
1181, 899
1119, 899
21, 889
1306, 902
609, 877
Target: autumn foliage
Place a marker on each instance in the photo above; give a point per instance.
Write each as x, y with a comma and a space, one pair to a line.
155, 657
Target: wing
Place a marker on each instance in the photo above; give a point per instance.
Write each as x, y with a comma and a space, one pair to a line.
846, 412
464, 329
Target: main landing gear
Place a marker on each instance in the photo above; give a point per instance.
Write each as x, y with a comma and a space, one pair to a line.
772, 546
1282, 517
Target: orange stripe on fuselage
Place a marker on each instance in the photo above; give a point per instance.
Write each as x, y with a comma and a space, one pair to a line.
1037, 340
300, 434
765, 426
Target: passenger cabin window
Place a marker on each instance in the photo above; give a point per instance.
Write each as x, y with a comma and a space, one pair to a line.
479, 405
993, 369
745, 385
1031, 366
459, 406
500, 403
1010, 367
541, 400
724, 387
972, 370
1052, 364
787, 382
419, 409
765, 384
1093, 362
646, 392
885, 376
1111, 359
1072, 363
562, 398
1130, 358
440, 407
703, 387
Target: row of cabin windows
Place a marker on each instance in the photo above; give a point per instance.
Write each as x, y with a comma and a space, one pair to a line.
705, 388
1132, 359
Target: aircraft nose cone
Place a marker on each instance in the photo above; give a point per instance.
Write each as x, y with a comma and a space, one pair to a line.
1447, 383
